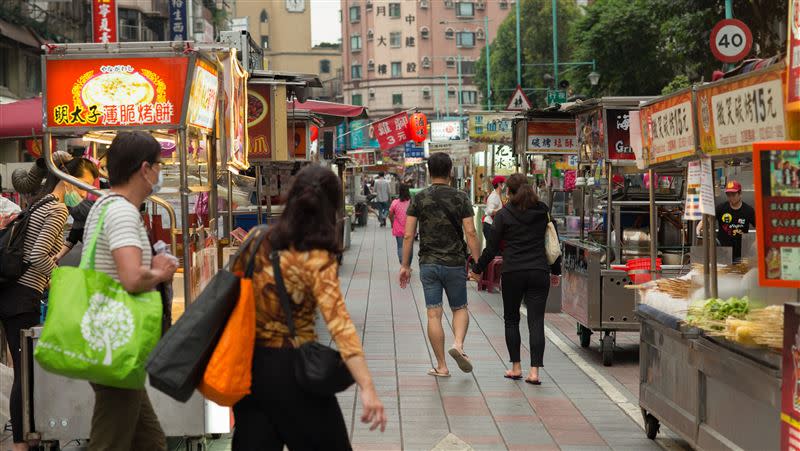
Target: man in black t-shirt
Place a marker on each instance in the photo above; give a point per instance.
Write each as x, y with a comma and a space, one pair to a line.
734, 218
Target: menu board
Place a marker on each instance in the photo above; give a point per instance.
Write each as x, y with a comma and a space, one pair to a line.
114, 92
777, 183
793, 52
491, 128
732, 115
203, 96
547, 136
699, 190
668, 132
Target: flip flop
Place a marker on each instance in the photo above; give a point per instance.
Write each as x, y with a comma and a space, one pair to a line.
433, 372
512, 377
463, 361
533, 382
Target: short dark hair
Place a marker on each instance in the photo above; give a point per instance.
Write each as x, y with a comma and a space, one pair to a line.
77, 167
127, 153
440, 165
381, 174
405, 192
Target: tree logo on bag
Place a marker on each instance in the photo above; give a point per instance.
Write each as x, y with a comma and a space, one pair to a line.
107, 325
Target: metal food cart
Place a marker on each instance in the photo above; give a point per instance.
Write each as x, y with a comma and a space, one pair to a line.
713, 392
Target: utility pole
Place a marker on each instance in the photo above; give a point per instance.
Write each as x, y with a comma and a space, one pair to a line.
519, 49
460, 110
555, 42
729, 9
446, 94
488, 65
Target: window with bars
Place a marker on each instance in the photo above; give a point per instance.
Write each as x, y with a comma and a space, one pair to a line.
465, 9
355, 14
465, 39
355, 43
395, 39
397, 69
467, 68
394, 10
469, 97
355, 71
397, 99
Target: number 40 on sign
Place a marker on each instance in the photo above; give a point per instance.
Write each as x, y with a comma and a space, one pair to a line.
731, 40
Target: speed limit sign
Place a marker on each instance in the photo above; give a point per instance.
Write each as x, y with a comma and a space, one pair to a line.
731, 40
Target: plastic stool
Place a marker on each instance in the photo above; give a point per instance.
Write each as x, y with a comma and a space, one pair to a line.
492, 277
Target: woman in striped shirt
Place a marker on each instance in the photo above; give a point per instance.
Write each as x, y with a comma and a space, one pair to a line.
19, 307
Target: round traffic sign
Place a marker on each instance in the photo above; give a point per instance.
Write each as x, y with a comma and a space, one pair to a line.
731, 40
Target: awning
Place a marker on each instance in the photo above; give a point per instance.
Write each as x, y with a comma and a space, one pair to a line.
22, 119
19, 34
329, 108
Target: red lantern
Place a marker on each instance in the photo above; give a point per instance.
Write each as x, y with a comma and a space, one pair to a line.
418, 127
314, 132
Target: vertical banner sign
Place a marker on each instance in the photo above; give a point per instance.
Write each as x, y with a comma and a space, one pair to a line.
104, 21
619, 135
202, 110
699, 190
259, 125
790, 388
793, 95
177, 20
391, 131
235, 83
341, 138
777, 182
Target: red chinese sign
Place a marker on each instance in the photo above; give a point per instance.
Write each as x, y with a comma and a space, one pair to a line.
793, 94
115, 92
777, 183
104, 21
392, 131
618, 123
259, 127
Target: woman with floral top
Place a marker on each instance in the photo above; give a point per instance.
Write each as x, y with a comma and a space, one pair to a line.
278, 412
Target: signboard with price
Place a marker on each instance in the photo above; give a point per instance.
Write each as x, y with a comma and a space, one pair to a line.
735, 113
391, 132
667, 127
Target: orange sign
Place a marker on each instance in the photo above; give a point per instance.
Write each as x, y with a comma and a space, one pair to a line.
668, 132
113, 92
732, 115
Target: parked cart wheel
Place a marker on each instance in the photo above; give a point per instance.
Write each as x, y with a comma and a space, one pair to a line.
607, 347
651, 426
585, 335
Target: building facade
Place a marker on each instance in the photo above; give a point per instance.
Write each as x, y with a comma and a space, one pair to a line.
416, 53
283, 29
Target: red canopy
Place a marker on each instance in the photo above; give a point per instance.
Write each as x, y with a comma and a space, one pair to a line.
21, 119
328, 108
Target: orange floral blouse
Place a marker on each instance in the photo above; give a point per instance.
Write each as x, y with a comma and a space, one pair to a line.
312, 282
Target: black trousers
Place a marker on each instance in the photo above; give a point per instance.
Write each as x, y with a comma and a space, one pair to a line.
12, 326
532, 286
487, 231
279, 413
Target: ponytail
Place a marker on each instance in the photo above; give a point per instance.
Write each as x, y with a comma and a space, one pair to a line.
522, 193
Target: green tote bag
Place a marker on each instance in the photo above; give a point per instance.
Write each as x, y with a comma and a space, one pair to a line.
95, 330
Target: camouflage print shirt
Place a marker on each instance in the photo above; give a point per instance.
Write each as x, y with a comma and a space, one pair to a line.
440, 243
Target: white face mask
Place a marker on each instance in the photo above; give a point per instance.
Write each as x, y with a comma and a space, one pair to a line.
156, 187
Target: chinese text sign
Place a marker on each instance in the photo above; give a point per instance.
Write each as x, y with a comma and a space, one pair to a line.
104, 21
392, 131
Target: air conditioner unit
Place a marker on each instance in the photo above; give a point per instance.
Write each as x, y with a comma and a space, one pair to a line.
480, 5
423, 3
372, 94
449, 4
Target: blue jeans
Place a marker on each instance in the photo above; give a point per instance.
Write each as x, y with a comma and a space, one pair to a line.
383, 211
450, 279
400, 250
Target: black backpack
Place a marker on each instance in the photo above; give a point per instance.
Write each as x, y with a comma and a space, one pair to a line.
12, 246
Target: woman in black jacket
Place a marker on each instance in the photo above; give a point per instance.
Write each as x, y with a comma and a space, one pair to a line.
526, 275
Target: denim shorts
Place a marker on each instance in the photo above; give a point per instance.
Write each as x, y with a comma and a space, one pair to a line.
450, 279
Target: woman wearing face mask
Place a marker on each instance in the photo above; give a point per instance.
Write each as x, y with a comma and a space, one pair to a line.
124, 419
19, 305
79, 204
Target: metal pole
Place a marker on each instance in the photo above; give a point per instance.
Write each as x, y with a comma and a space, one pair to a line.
609, 209
729, 9
707, 236
436, 101
488, 66
229, 219
259, 209
712, 241
446, 95
555, 43
184, 189
653, 215
519, 48
458, 70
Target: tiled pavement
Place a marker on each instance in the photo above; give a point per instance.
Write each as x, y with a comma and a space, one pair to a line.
569, 411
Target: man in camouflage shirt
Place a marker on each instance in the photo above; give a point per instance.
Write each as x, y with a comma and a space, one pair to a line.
444, 215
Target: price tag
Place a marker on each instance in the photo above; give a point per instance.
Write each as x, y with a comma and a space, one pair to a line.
731, 40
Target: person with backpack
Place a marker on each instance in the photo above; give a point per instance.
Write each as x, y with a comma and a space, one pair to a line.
37, 235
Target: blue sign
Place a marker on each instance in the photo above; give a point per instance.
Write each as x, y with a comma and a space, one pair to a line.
341, 129
178, 26
412, 151
359, 138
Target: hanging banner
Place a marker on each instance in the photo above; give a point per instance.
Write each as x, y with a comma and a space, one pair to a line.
490, 128
777, 182
737, 113
178, 27
699, 190
112, 92
104, 21
203, 96
362, 134
341, 138
667, 129
259, 125
391, 132
235, 121
618, 124
552, 137
793, 52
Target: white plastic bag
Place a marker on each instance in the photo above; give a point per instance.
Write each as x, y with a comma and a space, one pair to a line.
6, 380
552, 247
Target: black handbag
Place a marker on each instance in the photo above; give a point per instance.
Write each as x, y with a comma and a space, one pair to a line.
318, 369
178, 362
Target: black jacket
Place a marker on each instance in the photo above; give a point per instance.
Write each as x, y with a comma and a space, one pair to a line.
523, 232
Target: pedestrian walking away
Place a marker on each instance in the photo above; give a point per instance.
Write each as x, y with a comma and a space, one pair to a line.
493, 205
398, 213
124, 419
526, 274
279, 411
382, 193
20, 303
444, 215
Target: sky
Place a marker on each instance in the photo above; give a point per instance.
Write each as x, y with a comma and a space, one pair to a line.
325, 26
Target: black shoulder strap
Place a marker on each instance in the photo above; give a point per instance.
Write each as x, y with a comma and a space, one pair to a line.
282, 293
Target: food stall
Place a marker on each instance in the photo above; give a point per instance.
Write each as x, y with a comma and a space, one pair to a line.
711, 339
